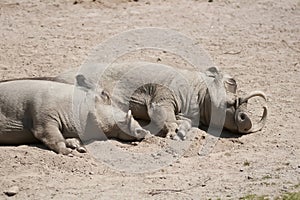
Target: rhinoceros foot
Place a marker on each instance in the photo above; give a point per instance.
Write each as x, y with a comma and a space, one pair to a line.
74, 143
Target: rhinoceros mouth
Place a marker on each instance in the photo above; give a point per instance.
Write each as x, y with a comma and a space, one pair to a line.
242, 116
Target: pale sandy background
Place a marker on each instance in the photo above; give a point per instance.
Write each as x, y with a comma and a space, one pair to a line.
256, 41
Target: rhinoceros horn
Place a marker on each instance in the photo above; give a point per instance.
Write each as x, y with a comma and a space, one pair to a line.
262, 121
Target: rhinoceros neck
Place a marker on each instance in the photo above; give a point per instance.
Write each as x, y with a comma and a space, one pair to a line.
191, 96
204, 100
204, 106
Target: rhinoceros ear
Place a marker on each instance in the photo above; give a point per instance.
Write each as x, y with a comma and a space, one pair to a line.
212, 72
229, 83
83, 82
105, 96
215, 84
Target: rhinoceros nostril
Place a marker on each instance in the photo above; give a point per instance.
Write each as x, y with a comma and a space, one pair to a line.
243, 122
242, 116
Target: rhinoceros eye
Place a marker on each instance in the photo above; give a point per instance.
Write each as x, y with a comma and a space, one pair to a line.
230, 85
233, 103
105, 96
230, 103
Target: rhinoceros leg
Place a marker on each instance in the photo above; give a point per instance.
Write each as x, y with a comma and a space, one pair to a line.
134, 127
163, 120
173, 126
51, 136
184, 125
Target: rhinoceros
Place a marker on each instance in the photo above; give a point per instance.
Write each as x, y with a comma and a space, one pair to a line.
173, 100
45, 111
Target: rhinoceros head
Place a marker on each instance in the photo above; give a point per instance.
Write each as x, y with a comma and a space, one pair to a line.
222, 95
237, 118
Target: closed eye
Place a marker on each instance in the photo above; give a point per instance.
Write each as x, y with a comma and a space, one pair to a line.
233, 103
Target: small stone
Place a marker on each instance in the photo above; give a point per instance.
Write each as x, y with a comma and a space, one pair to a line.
181, 134
176, 138
12, 191
134, 143
241, 170
70, 155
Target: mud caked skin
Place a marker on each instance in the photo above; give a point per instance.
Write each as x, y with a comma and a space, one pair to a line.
46, 111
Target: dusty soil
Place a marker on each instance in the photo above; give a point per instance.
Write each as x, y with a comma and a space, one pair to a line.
258, 42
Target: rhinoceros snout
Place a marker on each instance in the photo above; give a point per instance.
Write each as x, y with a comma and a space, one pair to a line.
243, 122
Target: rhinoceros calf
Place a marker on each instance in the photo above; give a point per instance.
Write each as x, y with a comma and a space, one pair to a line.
174, 99
39, 110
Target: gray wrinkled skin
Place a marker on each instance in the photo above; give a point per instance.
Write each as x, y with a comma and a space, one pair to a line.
173, 99
39, 110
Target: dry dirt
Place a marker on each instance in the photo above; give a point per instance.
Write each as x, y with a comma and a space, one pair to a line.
258, 42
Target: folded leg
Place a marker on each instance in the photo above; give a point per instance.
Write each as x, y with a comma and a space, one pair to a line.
51, 136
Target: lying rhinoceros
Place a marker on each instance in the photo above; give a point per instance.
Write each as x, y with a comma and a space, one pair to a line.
39, 110
173, 99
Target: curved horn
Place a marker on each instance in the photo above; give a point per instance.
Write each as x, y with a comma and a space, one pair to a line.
262, 122
253, 94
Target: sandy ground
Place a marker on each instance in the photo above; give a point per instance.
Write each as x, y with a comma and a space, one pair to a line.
258, 42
